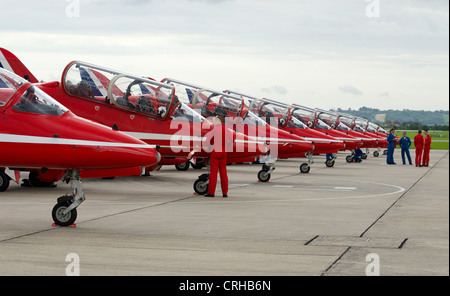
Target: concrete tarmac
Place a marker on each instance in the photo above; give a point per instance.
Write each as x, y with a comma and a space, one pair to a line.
350, 220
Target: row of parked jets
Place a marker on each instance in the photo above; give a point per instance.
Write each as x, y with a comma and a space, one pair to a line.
98, 122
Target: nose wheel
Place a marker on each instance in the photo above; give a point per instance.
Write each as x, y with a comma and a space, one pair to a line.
64, 213
60, 214
201, 184
265, 174
305, 168
329, 163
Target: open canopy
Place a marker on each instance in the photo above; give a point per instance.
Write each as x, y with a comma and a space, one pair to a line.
207, 101
126, 91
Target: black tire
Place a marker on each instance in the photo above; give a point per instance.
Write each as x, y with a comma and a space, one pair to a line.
182, 166
305, 168
63, 220
264, 176
364, 156
384, 152
4, 181
376, 154
200, 187
329, 163
349, 158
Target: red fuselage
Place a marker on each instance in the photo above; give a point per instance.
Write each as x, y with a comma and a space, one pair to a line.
34, 141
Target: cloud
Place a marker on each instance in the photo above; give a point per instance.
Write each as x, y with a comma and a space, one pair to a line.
351, 90
384, 94
276, 89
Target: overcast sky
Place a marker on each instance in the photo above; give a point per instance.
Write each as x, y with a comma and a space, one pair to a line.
386, 54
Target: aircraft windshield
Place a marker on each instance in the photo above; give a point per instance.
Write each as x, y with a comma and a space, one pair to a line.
267, 111
294, 122
377, 128
362, 122
184, 113
304, 116
123, 90
36, 101
321, 125
328, 119
347, 120
9, 83
342, 127
371, 129
359, 128
251, 119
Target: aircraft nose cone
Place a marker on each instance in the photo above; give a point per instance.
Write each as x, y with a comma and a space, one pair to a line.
105, 148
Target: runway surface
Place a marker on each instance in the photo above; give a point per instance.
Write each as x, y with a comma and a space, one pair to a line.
332, 222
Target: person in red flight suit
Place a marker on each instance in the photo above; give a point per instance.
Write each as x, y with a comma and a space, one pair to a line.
426, 149
418, 143
221, 139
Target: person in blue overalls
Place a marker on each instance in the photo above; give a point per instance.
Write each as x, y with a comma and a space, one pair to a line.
391, 147
405, 143
357, 156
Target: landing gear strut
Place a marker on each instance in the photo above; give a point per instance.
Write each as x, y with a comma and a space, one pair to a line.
330, 162
201, 184
64, 213
265, 174
306, 167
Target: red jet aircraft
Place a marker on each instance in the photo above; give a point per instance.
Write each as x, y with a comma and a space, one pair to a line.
39, 134
267, 109
311, 118
143, 108
235, 110
363, 125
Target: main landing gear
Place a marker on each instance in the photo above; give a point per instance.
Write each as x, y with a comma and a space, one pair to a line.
64, 213
4, 181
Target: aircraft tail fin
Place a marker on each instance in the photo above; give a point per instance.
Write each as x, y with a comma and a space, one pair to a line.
11, 63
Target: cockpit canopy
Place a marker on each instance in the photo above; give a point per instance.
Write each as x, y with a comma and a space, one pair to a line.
303, 115
136, 94
206, 101
375, 127
32, 99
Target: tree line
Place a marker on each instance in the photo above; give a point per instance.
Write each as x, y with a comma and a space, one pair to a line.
404, 119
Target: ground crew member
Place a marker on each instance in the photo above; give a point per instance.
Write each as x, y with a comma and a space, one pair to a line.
405, 143
357, 156
391, 147
222, 141
418, 142
426, 149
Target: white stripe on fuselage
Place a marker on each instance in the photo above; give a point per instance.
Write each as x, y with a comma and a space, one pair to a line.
8, 138
169, 137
